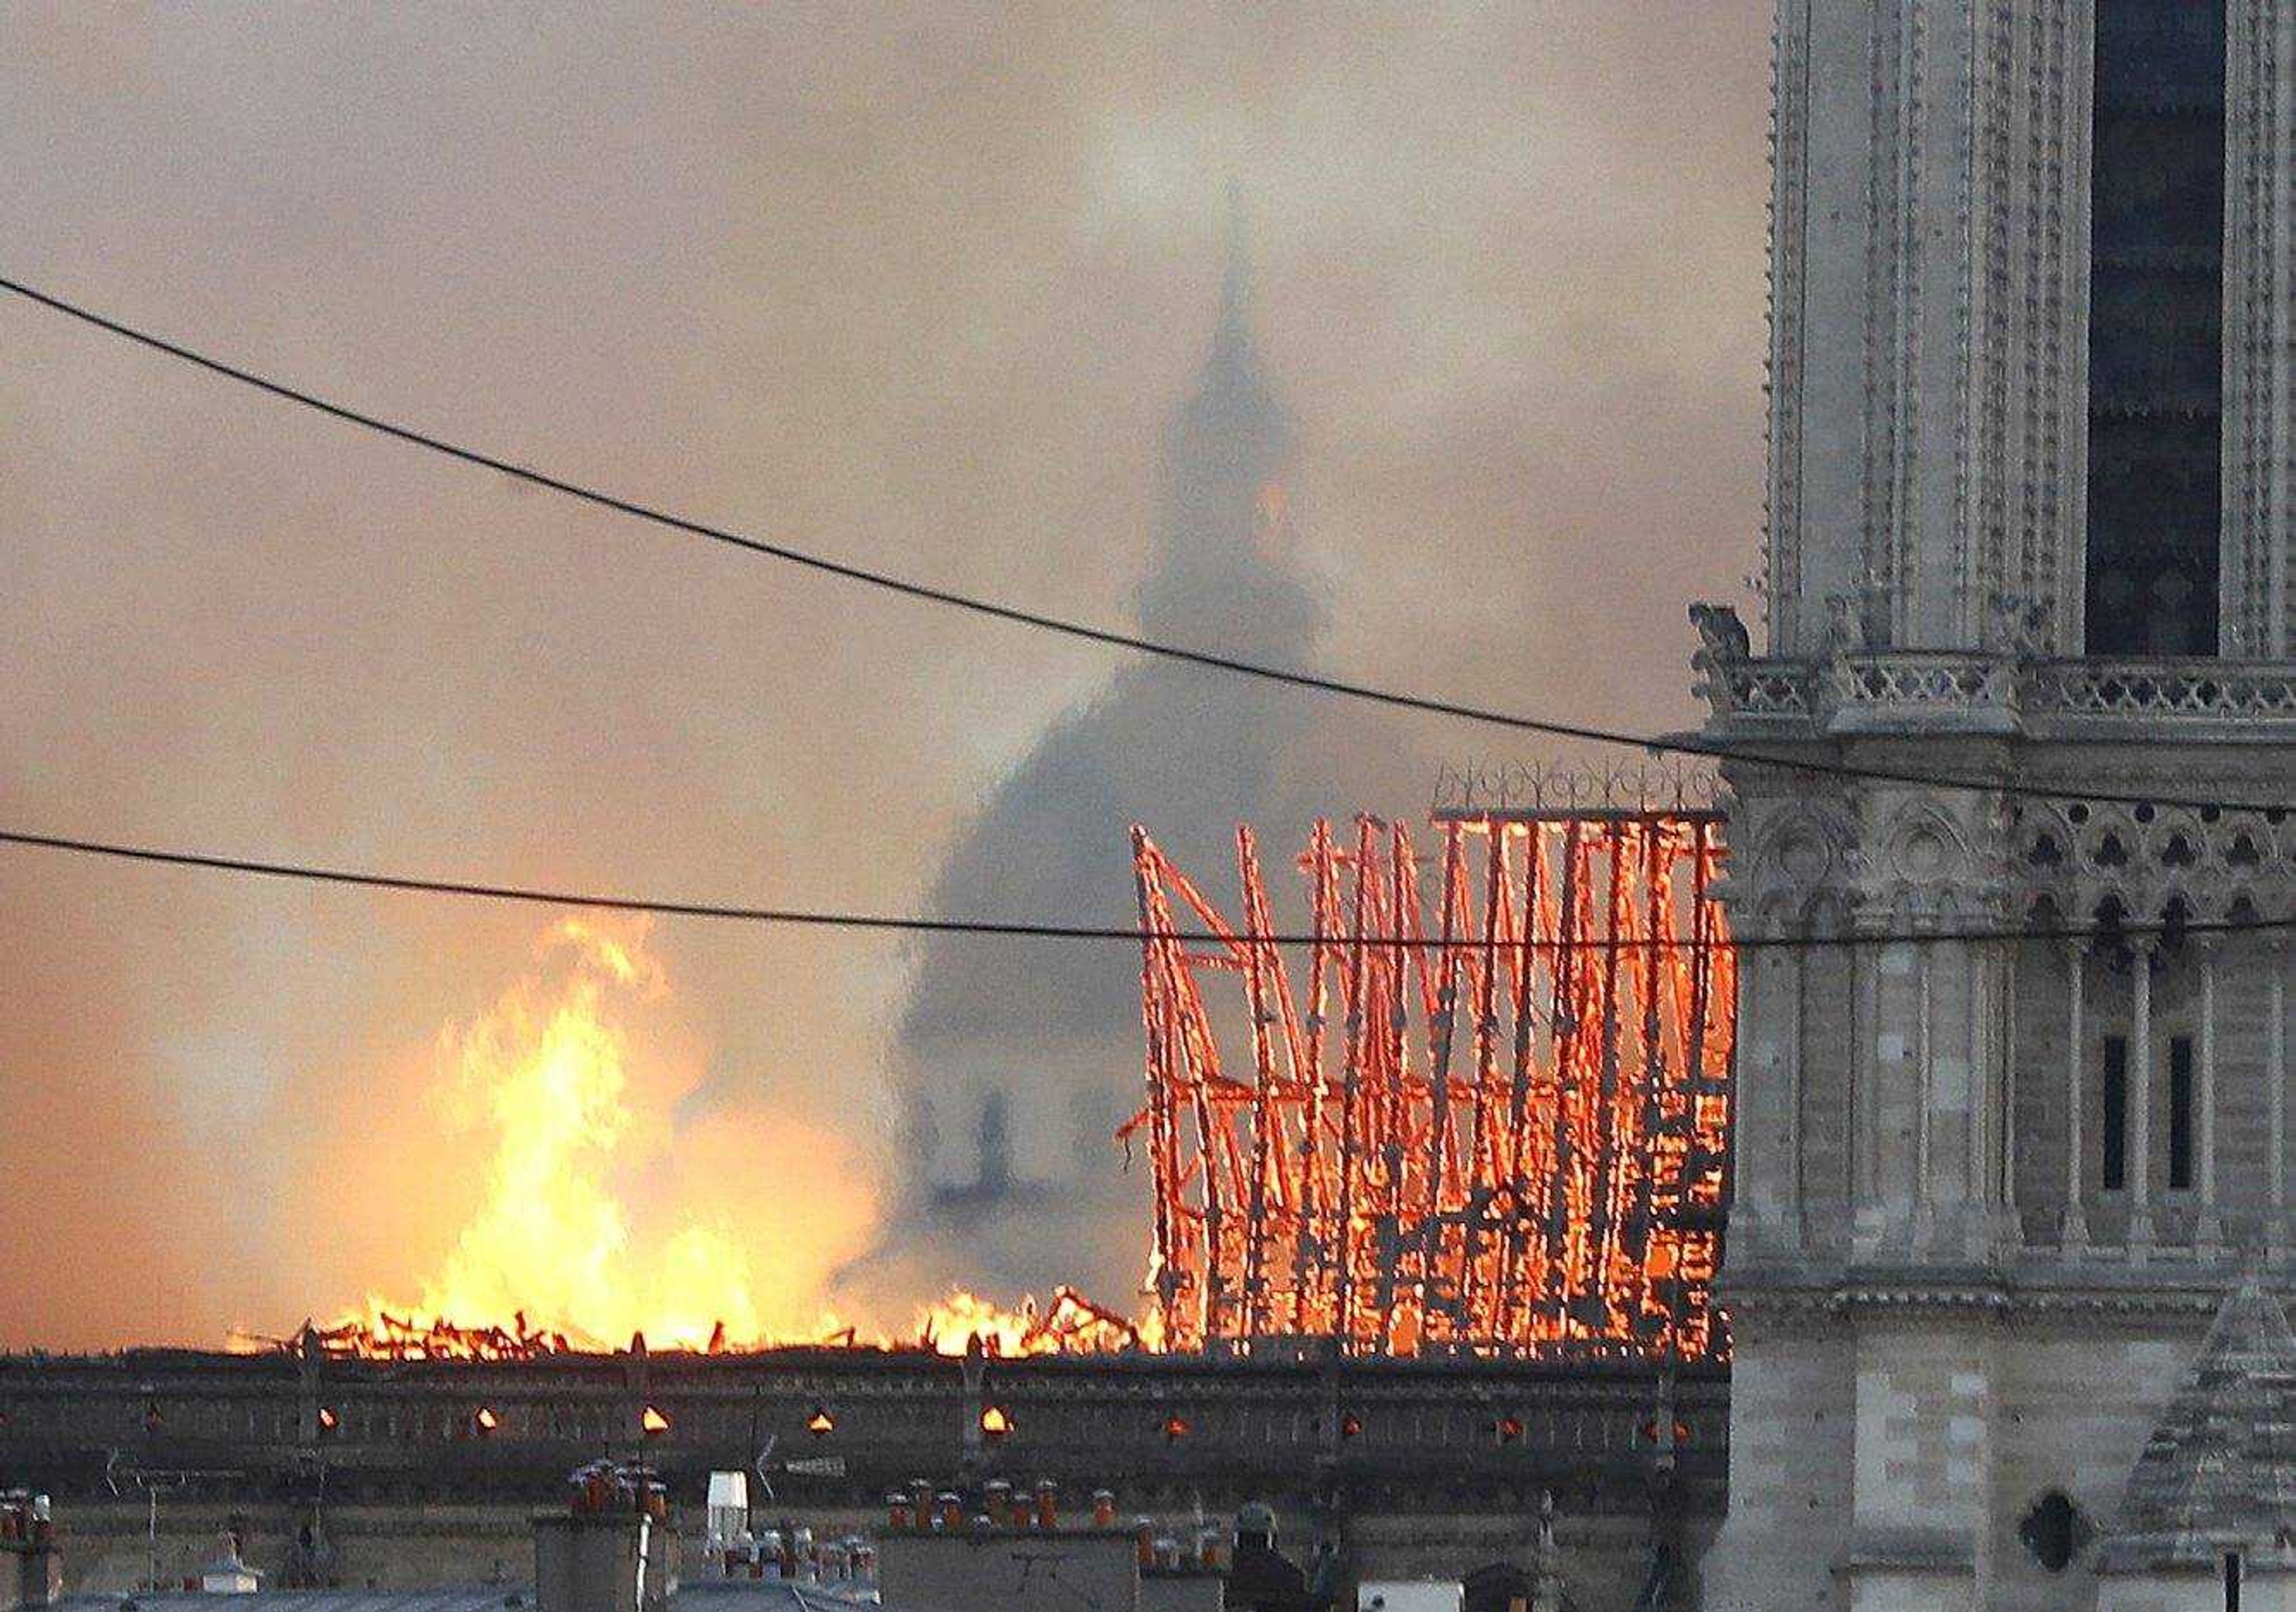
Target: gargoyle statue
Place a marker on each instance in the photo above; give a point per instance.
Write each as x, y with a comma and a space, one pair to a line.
1722, 636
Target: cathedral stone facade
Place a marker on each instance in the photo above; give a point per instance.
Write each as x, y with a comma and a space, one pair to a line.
2029, 471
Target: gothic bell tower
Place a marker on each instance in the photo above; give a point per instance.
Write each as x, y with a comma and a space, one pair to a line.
2030, 461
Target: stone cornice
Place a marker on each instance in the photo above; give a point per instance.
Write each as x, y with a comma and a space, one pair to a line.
2002, 1294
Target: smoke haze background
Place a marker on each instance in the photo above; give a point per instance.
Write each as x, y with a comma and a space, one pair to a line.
919, 286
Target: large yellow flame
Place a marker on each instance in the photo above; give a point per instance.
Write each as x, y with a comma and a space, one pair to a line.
574, 1125
547, 1073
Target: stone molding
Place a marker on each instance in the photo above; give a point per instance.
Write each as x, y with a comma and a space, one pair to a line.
2250, 703
1789, 212
2256, 540
1758, 1298
1811, 863
2147, 862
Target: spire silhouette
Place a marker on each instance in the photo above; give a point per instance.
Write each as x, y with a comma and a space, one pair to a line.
1232, 414
1227, 454
1015, 1070
1235, 276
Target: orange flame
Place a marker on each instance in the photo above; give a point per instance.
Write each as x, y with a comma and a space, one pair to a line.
554, 1256
556, 1259
1073, 1325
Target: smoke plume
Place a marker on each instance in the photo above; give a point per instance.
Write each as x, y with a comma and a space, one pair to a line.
914, 284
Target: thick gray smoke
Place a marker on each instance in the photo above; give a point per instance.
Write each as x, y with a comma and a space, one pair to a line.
1017, 1061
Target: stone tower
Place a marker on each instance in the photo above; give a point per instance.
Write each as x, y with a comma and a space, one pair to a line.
2029, 462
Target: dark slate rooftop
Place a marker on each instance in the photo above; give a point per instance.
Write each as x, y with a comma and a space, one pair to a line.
737, 1595
2219, 1472
493, 1598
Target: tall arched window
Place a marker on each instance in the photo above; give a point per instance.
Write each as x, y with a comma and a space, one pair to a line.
2156, 328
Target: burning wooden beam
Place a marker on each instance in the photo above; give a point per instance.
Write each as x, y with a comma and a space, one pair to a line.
1511, 1140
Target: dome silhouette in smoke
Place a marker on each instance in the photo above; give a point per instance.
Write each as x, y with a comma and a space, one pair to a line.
1014, 1063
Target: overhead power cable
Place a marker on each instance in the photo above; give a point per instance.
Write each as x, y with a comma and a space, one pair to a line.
1212, 660
905, 923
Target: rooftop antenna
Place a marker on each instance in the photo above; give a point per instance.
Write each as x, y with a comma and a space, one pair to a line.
151, 1480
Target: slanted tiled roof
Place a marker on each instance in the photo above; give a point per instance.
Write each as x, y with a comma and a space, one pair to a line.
759, 1595
747, 1595
478, 1599
2219, 1472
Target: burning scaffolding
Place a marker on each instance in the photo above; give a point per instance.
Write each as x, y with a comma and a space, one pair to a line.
1503, 1132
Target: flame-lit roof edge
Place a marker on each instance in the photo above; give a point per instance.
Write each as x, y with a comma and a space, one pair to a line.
135, 1357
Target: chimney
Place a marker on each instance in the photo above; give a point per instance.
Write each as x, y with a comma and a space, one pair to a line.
31, 1571
35, 1575
613, 1549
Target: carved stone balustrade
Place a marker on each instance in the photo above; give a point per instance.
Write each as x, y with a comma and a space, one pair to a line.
2244, 702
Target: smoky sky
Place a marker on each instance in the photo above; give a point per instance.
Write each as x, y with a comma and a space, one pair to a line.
920, 286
